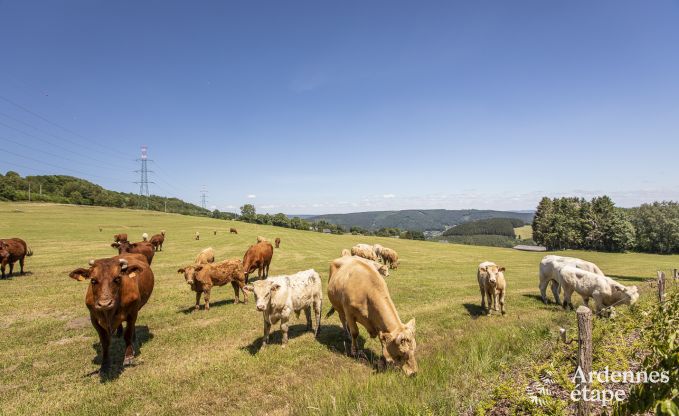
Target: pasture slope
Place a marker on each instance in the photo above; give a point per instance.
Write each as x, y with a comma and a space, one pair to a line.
210, 362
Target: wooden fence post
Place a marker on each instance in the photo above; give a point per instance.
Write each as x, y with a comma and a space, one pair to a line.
675, 274
584, 315
661, 286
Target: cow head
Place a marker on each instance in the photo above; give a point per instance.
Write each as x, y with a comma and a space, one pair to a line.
383, 270
626, 295
264, 291
123, 246
493, 272
106, 276
4, 251
398, 348
191, 273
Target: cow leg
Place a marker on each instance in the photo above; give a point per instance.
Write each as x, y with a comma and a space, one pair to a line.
259, 272
502, 302
307, 313
236, 289
483, 298
353, 331
543, 289
267, 330
495, 301
556, 288
206, 298
266, 274
317, 311
21, 265
129, 338
105, 341
11, 267
567, 293
198, 293
284, 329
2, 268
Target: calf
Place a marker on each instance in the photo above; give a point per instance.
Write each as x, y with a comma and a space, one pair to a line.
206, 256
604, 290
360, 295
11, 250
492, 284
233, 231
157, 241
143, 247
258, 257
278, 296
202, 277
278, 242
549, 267
119, 287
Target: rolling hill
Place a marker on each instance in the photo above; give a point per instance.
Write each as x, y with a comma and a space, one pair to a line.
418, 220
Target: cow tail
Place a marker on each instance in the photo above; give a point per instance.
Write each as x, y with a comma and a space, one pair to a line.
29, 252
330, 312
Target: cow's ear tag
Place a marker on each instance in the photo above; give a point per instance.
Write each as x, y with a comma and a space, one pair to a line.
133, 274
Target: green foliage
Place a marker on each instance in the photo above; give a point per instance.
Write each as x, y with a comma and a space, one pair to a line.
492, 226
657, 227
575, 223
248, 213
486, 240
69, 190
413, 235
662, 337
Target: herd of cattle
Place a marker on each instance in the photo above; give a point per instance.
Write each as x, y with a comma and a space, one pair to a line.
121, 285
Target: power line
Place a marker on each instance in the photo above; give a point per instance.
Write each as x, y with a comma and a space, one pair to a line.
144, 174
203, 198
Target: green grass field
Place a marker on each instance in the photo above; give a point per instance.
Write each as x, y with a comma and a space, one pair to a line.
210, 362
524, 233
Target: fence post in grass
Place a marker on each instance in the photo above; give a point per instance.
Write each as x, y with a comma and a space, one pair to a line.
675, 274
661, 286
584, 315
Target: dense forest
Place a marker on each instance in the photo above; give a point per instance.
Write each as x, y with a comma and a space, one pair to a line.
492, 226
69, 190
575, 223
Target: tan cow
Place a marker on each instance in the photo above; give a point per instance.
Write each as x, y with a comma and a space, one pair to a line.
389, 257
202, 277
364, 250
492, 284
206, 256
360, 295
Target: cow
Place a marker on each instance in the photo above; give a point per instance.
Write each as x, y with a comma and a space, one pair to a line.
261, 239
382, 269
360, 295
197, 236
278, 296
157, 241
233, 231
548, 272
119, 237
389, 257
202, 277
145, 237
605, 291
206, 256
258, 257
119, 287
364, 250
492, 285
377, 248
11, 250
215, 232
278, 242
143, 247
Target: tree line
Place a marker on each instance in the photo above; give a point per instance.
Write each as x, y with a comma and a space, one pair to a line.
575, 223
491, 226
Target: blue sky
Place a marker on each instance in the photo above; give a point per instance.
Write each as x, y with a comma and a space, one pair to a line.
317, 107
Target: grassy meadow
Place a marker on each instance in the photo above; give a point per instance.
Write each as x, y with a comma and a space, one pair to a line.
211, 362
524, 233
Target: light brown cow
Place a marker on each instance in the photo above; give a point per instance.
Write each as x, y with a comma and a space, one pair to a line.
258, 257
492, 285
389, 257
364, 250
119, 287
202, 277
278, 242
206, 256
360, 295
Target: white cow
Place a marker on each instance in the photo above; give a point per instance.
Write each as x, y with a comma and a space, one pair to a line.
604, 290
549, 267
278, 296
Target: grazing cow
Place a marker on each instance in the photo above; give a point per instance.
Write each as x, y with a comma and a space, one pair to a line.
492, 285
11, 250
145, 237
233, 231
377, 248
215, 232
261, 239
143, 247
197, 236
389, 257
604, 290
360, 295
119, 287
364, 250
157, 241
202, 277
382, 269
278, 242
258, 257
549, 267
346, 252
206, 256
119, 237
278, 296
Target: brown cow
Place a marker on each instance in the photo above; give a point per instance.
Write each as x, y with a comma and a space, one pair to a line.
278, 242
258, 257
360, 295
119, 287
143, 247
119, 237
11, 250
233, 231
202, 277
157, 241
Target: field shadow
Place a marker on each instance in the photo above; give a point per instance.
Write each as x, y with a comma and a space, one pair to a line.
218, 304
276, 337
117, 353
15, 274
637, 279
474, 310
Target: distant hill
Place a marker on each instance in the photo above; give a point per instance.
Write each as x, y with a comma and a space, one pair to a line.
418, 220
70, 190
491, 226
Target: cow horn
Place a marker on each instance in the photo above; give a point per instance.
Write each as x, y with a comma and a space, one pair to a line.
91, 262
123, 264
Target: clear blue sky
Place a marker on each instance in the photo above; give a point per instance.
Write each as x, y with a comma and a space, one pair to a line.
316, 107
